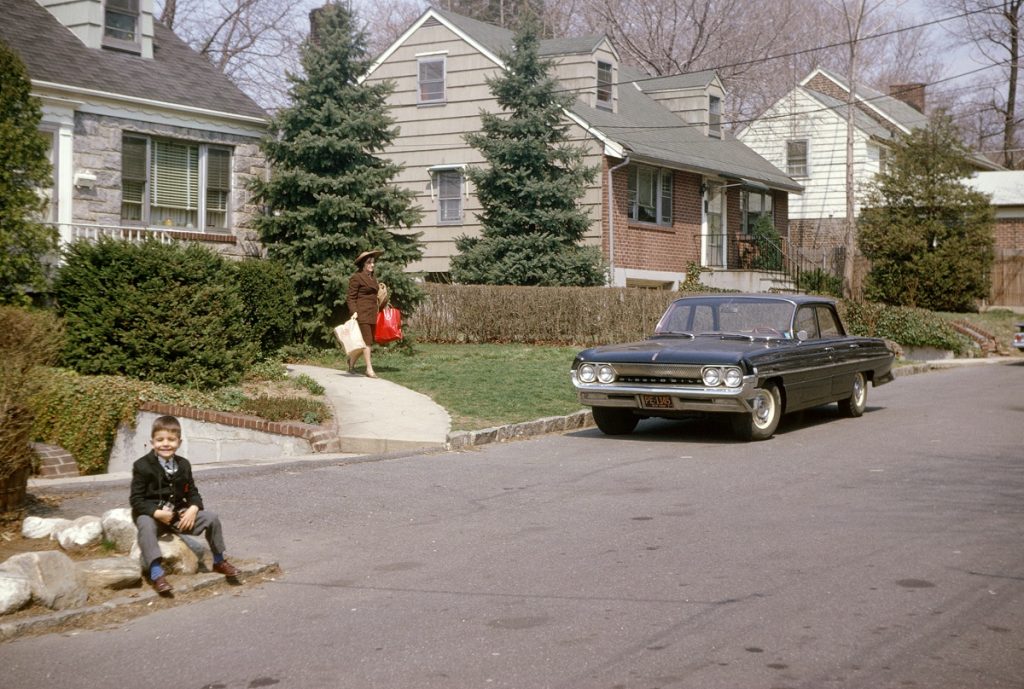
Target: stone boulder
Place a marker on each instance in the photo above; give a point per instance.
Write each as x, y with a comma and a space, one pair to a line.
80, 534
41, 527
119, 529
110, 572
180, 554
52, 576
15, 592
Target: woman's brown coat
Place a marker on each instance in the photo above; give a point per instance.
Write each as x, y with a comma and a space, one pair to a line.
362, 297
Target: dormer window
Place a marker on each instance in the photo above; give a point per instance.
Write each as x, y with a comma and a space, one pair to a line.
604, 85
121, 19
714, 116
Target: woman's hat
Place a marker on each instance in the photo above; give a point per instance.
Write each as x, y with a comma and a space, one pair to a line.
368, 254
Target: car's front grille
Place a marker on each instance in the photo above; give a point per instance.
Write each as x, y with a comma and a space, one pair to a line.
657, 374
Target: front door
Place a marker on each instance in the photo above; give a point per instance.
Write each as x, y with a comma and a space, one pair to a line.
713, 234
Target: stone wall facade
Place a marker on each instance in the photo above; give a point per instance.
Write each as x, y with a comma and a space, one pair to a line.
97, 148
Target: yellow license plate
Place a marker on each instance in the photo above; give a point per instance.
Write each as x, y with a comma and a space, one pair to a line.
656, 401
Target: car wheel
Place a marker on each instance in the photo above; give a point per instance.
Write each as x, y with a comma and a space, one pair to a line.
853, 406
762, 422
613, 421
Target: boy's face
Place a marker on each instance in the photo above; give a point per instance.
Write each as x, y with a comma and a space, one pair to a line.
165, 444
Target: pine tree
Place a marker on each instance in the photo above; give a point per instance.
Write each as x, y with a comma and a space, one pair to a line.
531, 223
24, 241
331, 195
929, 236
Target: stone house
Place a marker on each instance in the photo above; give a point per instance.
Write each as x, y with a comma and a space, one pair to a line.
673, 187
147, 138
804, 133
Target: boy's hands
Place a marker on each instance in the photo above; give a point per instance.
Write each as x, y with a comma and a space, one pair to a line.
165, 516
188, 518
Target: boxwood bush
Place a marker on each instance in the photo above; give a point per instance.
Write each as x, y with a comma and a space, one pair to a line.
166, 313
910, 327
268, 300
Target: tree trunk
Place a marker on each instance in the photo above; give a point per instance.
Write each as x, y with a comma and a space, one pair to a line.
1012, 14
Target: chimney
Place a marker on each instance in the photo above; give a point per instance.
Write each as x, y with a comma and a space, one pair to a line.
314, 25
911, 94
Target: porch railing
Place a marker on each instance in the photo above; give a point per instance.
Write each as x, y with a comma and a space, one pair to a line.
783, 262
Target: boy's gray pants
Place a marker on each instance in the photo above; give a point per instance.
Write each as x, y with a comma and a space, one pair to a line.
150, 529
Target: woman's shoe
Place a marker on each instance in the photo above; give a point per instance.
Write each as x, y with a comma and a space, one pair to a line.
351, 365
371, 374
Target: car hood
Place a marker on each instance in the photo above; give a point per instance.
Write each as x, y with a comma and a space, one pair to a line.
666, 349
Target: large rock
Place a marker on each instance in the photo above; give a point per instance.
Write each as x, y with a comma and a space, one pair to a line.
80, 534
52, 576
15, 593
180, 554
110, 572
41, 527
119, 529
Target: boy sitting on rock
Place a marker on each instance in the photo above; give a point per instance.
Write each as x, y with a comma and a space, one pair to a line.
164, 498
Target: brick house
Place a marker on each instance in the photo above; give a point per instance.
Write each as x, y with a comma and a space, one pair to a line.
1007, 190
804, 133
673, 187
146, 136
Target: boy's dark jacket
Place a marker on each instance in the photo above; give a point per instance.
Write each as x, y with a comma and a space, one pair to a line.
151, 486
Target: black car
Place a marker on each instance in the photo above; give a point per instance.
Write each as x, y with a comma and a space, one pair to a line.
752, 356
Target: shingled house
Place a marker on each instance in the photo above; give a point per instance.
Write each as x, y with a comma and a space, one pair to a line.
673, 187
146, 136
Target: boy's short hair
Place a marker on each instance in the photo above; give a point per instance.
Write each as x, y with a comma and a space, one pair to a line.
166, 423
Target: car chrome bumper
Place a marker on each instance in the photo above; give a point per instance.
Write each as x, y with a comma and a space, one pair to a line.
684, 399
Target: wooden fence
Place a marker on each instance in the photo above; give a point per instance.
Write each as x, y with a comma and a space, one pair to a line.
1008, 279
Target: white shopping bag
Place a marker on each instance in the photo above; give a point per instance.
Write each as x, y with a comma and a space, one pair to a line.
348, 335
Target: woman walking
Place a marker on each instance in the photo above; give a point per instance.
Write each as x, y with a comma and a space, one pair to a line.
362, 300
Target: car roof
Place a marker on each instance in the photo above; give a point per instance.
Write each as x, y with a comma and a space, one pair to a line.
796, 299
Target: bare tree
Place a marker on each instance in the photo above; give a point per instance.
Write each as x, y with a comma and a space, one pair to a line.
993, 28
254, 42
386, 20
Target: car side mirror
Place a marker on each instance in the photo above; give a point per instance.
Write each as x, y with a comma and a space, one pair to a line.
801, 335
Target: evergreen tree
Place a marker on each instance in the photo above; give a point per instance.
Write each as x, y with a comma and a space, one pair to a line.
929, 236
330, 195
24, 169
531, 223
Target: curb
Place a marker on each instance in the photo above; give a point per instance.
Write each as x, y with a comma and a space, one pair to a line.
52, 620
461, 440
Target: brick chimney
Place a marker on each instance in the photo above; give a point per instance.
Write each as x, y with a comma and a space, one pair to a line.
911, 94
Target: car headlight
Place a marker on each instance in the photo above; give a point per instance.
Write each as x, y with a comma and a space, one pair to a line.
587, 373
605, 373
733, 377
712, 377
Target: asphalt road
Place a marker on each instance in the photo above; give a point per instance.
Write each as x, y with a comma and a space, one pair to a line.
886, 551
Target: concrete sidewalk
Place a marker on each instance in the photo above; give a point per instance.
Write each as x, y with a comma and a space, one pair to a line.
374, 415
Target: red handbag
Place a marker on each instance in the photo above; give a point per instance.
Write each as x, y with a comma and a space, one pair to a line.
389, 325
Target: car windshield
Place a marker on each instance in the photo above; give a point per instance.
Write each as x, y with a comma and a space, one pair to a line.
751, 317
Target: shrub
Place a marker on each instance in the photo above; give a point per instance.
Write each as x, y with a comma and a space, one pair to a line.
287, 409
82, 413
908, 326
165, 313
306, 383
28, 339
768, 242
820, 281
268, 300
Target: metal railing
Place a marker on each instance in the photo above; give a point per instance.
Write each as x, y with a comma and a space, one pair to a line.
78, 231
783, 262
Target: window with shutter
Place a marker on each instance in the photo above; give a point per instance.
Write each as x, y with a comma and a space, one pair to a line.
133, 179
604, 84
796, 158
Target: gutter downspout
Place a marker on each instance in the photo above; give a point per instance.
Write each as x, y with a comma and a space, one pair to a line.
611, 218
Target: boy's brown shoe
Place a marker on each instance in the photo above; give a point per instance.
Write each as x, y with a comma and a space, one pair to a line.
162, 586
227, 569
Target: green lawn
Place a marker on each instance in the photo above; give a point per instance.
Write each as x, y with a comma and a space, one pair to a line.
481, 385
999, 322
